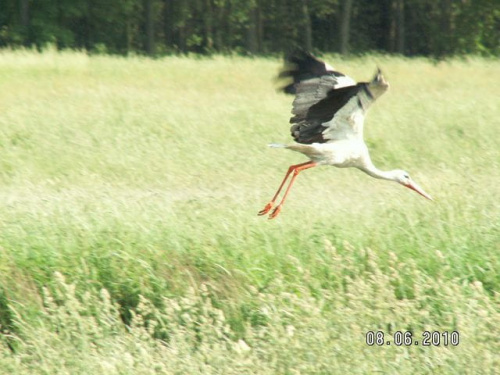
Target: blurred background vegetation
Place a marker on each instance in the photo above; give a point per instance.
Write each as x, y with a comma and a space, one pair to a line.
158, 27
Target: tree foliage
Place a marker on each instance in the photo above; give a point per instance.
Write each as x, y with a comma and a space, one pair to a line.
410, 27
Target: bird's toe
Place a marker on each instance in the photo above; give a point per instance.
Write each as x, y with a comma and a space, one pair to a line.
275, 212
266, 209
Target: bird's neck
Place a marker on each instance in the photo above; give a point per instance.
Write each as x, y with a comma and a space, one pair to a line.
373, 171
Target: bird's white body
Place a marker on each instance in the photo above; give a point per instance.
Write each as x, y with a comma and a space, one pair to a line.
341, 154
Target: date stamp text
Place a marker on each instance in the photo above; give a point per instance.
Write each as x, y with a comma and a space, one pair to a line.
408, 338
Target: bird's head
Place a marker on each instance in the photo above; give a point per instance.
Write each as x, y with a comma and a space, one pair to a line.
404, 179
378, 85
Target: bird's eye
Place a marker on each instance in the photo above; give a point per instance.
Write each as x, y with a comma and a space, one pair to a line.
406, 176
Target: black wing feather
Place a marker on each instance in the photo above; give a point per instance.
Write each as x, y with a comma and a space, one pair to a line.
325, 109
320, 92
301, 65
309, 129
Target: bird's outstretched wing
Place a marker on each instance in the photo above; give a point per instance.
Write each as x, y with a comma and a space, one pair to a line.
328, 105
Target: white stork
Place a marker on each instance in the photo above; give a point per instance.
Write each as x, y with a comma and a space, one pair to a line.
327, 124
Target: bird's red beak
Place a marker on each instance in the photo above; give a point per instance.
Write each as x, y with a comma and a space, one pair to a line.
412, 185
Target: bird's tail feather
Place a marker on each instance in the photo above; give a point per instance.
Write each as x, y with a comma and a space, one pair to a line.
277, 145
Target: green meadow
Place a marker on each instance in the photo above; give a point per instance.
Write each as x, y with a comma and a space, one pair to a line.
130, 241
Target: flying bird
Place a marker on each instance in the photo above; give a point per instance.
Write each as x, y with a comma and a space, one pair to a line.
328, 111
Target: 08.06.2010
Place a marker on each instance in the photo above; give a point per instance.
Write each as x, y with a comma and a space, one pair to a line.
407, 338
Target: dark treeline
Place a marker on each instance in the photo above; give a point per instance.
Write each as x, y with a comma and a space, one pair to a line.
410, 27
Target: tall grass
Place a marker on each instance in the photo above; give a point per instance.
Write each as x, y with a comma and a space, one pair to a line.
129, 241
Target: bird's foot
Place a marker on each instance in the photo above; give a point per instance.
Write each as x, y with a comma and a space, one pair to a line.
266, 209
275, 212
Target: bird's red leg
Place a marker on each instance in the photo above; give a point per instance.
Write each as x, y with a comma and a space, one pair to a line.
296, 172
271, 204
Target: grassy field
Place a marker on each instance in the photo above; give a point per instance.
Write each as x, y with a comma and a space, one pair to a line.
130, 244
